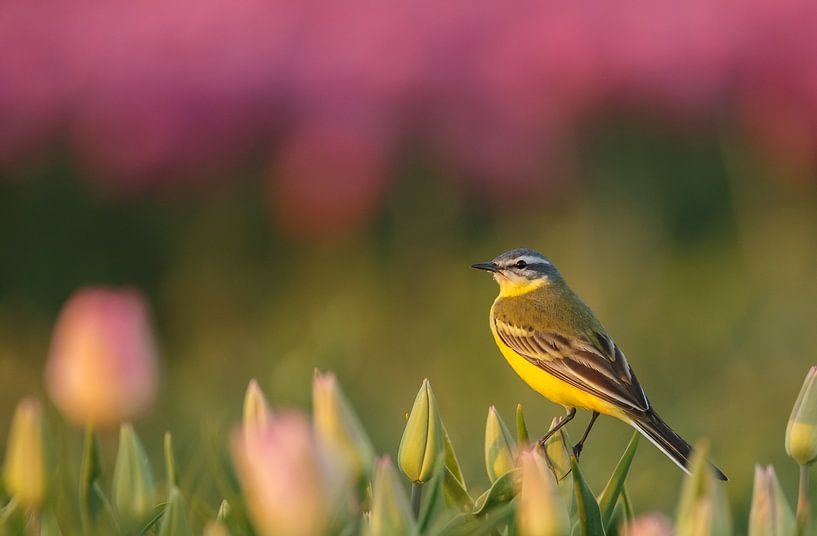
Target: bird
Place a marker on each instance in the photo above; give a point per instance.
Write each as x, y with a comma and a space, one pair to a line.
555, 343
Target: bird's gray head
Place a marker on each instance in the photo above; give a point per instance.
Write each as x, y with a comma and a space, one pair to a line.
518, 270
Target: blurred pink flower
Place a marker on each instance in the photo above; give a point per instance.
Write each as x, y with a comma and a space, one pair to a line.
649, 525
102, 367
290, 485
177, 91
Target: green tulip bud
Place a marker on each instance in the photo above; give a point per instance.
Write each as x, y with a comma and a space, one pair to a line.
24, 471
257, 413
422, 438
134, 491
224, 511
175, 521
541, 510
801, 431
703, 509
770, 514
215, 528
500, 449
337, 427
391, 513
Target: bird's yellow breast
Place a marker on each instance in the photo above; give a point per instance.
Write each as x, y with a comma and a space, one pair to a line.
550, 386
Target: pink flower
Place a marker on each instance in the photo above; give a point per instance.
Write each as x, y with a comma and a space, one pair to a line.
102, 368
649, 525
290, 485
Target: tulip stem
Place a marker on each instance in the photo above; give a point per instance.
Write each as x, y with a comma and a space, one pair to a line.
416, 498
89, 472
170, 460
802, 499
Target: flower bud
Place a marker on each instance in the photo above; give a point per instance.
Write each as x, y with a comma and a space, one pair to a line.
541, 510
257, 414
649, 525
291, 486
500, 449
703, 508
175, 521
338, 428
215, 528
770, 514
801, 431
102, 367
391, 513
24, 471
422, 438
134, 491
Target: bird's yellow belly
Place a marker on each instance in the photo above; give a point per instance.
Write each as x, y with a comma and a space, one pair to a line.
553, 388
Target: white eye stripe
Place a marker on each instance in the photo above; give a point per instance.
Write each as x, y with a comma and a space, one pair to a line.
528, 259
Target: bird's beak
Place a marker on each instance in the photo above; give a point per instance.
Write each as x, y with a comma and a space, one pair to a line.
487, 266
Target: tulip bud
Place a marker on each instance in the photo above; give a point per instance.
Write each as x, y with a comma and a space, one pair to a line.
24, 471
391, 513
770, 514
801, 431
338, 428
541, 510
703, 508
500, 449
649, 525
102, 367
175, 521
291, 486
257, 413
215, 528
422, 438
134, 491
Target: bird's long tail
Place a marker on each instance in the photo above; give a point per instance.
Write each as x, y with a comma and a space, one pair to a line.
667, 441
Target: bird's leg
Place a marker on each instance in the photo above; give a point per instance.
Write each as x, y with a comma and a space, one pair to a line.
577, 448
555, 428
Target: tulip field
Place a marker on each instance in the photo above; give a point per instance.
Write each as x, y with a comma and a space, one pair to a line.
285, 472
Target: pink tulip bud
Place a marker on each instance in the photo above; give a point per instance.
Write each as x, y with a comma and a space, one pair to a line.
291, 486
102, 368
649, 525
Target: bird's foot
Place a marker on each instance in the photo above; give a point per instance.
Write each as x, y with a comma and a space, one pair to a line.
577, 450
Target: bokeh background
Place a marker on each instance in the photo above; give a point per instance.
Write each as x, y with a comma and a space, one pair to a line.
301, 184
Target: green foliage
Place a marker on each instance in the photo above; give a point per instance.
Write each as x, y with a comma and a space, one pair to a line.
440, 504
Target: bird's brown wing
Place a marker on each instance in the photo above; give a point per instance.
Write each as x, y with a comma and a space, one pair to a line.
597, 367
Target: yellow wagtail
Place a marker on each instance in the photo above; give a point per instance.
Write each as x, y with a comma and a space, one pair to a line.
556, 344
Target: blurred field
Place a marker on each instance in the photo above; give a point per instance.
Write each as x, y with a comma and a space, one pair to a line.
304, 185
702, 269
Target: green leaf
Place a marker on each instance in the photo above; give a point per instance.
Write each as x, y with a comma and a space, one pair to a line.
90, 471
433, 499
470, 525
588, 509
451, 461
609, 497
521, 428
49, 525
175, 521
500, 493
455, 492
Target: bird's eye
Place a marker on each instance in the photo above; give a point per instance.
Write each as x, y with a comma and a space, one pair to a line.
521, 264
